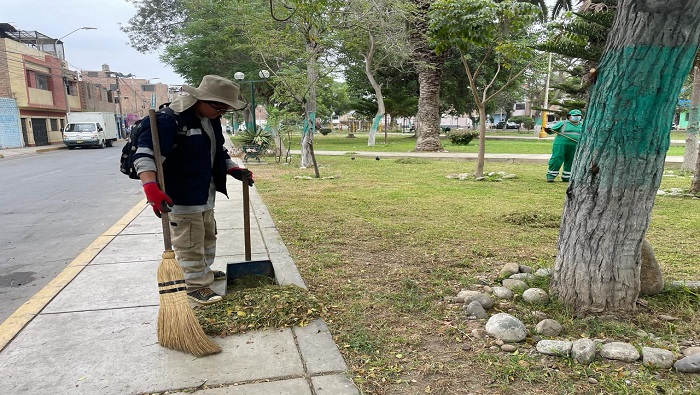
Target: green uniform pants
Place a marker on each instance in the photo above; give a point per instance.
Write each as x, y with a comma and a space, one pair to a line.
561, 154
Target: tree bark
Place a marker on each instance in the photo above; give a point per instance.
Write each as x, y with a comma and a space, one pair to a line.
620, 158
369, 57
307, 149
690, 155
428, 116
429, 69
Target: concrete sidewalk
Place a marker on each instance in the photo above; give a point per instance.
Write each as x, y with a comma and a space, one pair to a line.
92, 330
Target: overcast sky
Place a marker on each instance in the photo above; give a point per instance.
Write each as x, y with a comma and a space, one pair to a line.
88, 49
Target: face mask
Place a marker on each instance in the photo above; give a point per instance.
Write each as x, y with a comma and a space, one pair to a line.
575, 118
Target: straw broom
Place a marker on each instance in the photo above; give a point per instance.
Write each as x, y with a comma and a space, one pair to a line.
178, 327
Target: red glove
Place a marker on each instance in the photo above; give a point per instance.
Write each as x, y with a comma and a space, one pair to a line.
157, 198
238, 173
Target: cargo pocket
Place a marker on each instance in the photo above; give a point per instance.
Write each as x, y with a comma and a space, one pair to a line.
181, 231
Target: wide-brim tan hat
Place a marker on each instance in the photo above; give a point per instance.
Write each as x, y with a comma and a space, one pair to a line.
212, 88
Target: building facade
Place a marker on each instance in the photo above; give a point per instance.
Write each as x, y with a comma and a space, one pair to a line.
32, 90
133, 96
38, 90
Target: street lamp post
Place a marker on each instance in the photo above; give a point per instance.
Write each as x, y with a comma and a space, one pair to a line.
63, 70
264, 74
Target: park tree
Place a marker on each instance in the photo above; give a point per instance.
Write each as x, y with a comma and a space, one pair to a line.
428, 65
620, 158
382, 43
690, 155
492, 39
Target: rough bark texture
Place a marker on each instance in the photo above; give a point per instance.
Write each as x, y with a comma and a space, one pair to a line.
690, 155
428, 116
619, 162
429, 69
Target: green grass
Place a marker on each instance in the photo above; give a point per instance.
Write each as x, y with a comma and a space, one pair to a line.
384, 242
397, 142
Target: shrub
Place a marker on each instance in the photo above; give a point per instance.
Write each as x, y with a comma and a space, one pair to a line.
324, 131
260, 137
462, 137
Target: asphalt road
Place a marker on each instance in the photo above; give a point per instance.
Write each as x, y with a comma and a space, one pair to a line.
52, 206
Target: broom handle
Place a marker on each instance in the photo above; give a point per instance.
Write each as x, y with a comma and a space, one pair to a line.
167, 242
246, 217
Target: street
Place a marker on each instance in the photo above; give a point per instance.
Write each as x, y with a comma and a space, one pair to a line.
52, 206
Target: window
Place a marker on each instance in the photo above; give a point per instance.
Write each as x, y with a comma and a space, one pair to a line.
93, 74
519, 106
54, 123
113, 87
72, 89
42, 82
148, 88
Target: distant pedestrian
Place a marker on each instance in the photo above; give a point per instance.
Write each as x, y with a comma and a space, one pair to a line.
568, 134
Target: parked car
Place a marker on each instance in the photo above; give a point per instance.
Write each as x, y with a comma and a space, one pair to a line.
506, 125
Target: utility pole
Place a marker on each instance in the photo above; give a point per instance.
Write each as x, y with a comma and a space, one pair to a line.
119, 103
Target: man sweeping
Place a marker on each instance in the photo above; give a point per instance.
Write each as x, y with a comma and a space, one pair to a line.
568, 134
195, 165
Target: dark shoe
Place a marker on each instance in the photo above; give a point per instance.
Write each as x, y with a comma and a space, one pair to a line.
219, 275
564, 180
204, 296
550, 180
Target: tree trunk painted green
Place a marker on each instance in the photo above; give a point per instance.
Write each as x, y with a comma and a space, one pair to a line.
620, 158
373, 130
690, 156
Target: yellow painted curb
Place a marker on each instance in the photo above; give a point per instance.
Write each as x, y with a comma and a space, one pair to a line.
41, 150
31, 308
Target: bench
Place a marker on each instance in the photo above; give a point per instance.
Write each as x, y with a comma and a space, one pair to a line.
251, 151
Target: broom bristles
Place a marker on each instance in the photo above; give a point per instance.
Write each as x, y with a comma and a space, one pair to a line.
178, 327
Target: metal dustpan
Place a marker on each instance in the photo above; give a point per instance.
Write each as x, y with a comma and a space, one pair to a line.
235, 270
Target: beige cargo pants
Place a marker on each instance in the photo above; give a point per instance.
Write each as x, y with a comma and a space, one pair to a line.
194, 242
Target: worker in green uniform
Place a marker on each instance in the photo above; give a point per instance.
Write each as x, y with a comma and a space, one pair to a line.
568, 134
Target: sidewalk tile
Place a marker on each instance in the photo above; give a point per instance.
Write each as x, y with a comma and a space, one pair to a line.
318, 348
115, 352
337, 384
109, 286
282, 387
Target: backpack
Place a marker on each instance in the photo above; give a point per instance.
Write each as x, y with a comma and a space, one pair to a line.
126, 161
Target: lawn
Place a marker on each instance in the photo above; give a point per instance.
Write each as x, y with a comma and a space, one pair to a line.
383, 243
397, 142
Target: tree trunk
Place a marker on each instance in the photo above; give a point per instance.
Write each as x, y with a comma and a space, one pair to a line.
695, 184
307, 149
369, 57
429, 69
482, 142
690, 155
620, 158
428, 116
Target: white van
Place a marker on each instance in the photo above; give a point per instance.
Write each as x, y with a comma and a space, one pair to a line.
95, 129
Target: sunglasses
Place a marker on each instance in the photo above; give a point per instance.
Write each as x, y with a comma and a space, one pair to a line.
218, 106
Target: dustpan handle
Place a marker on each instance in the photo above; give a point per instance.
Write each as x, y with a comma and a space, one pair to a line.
246, 217
155, 137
